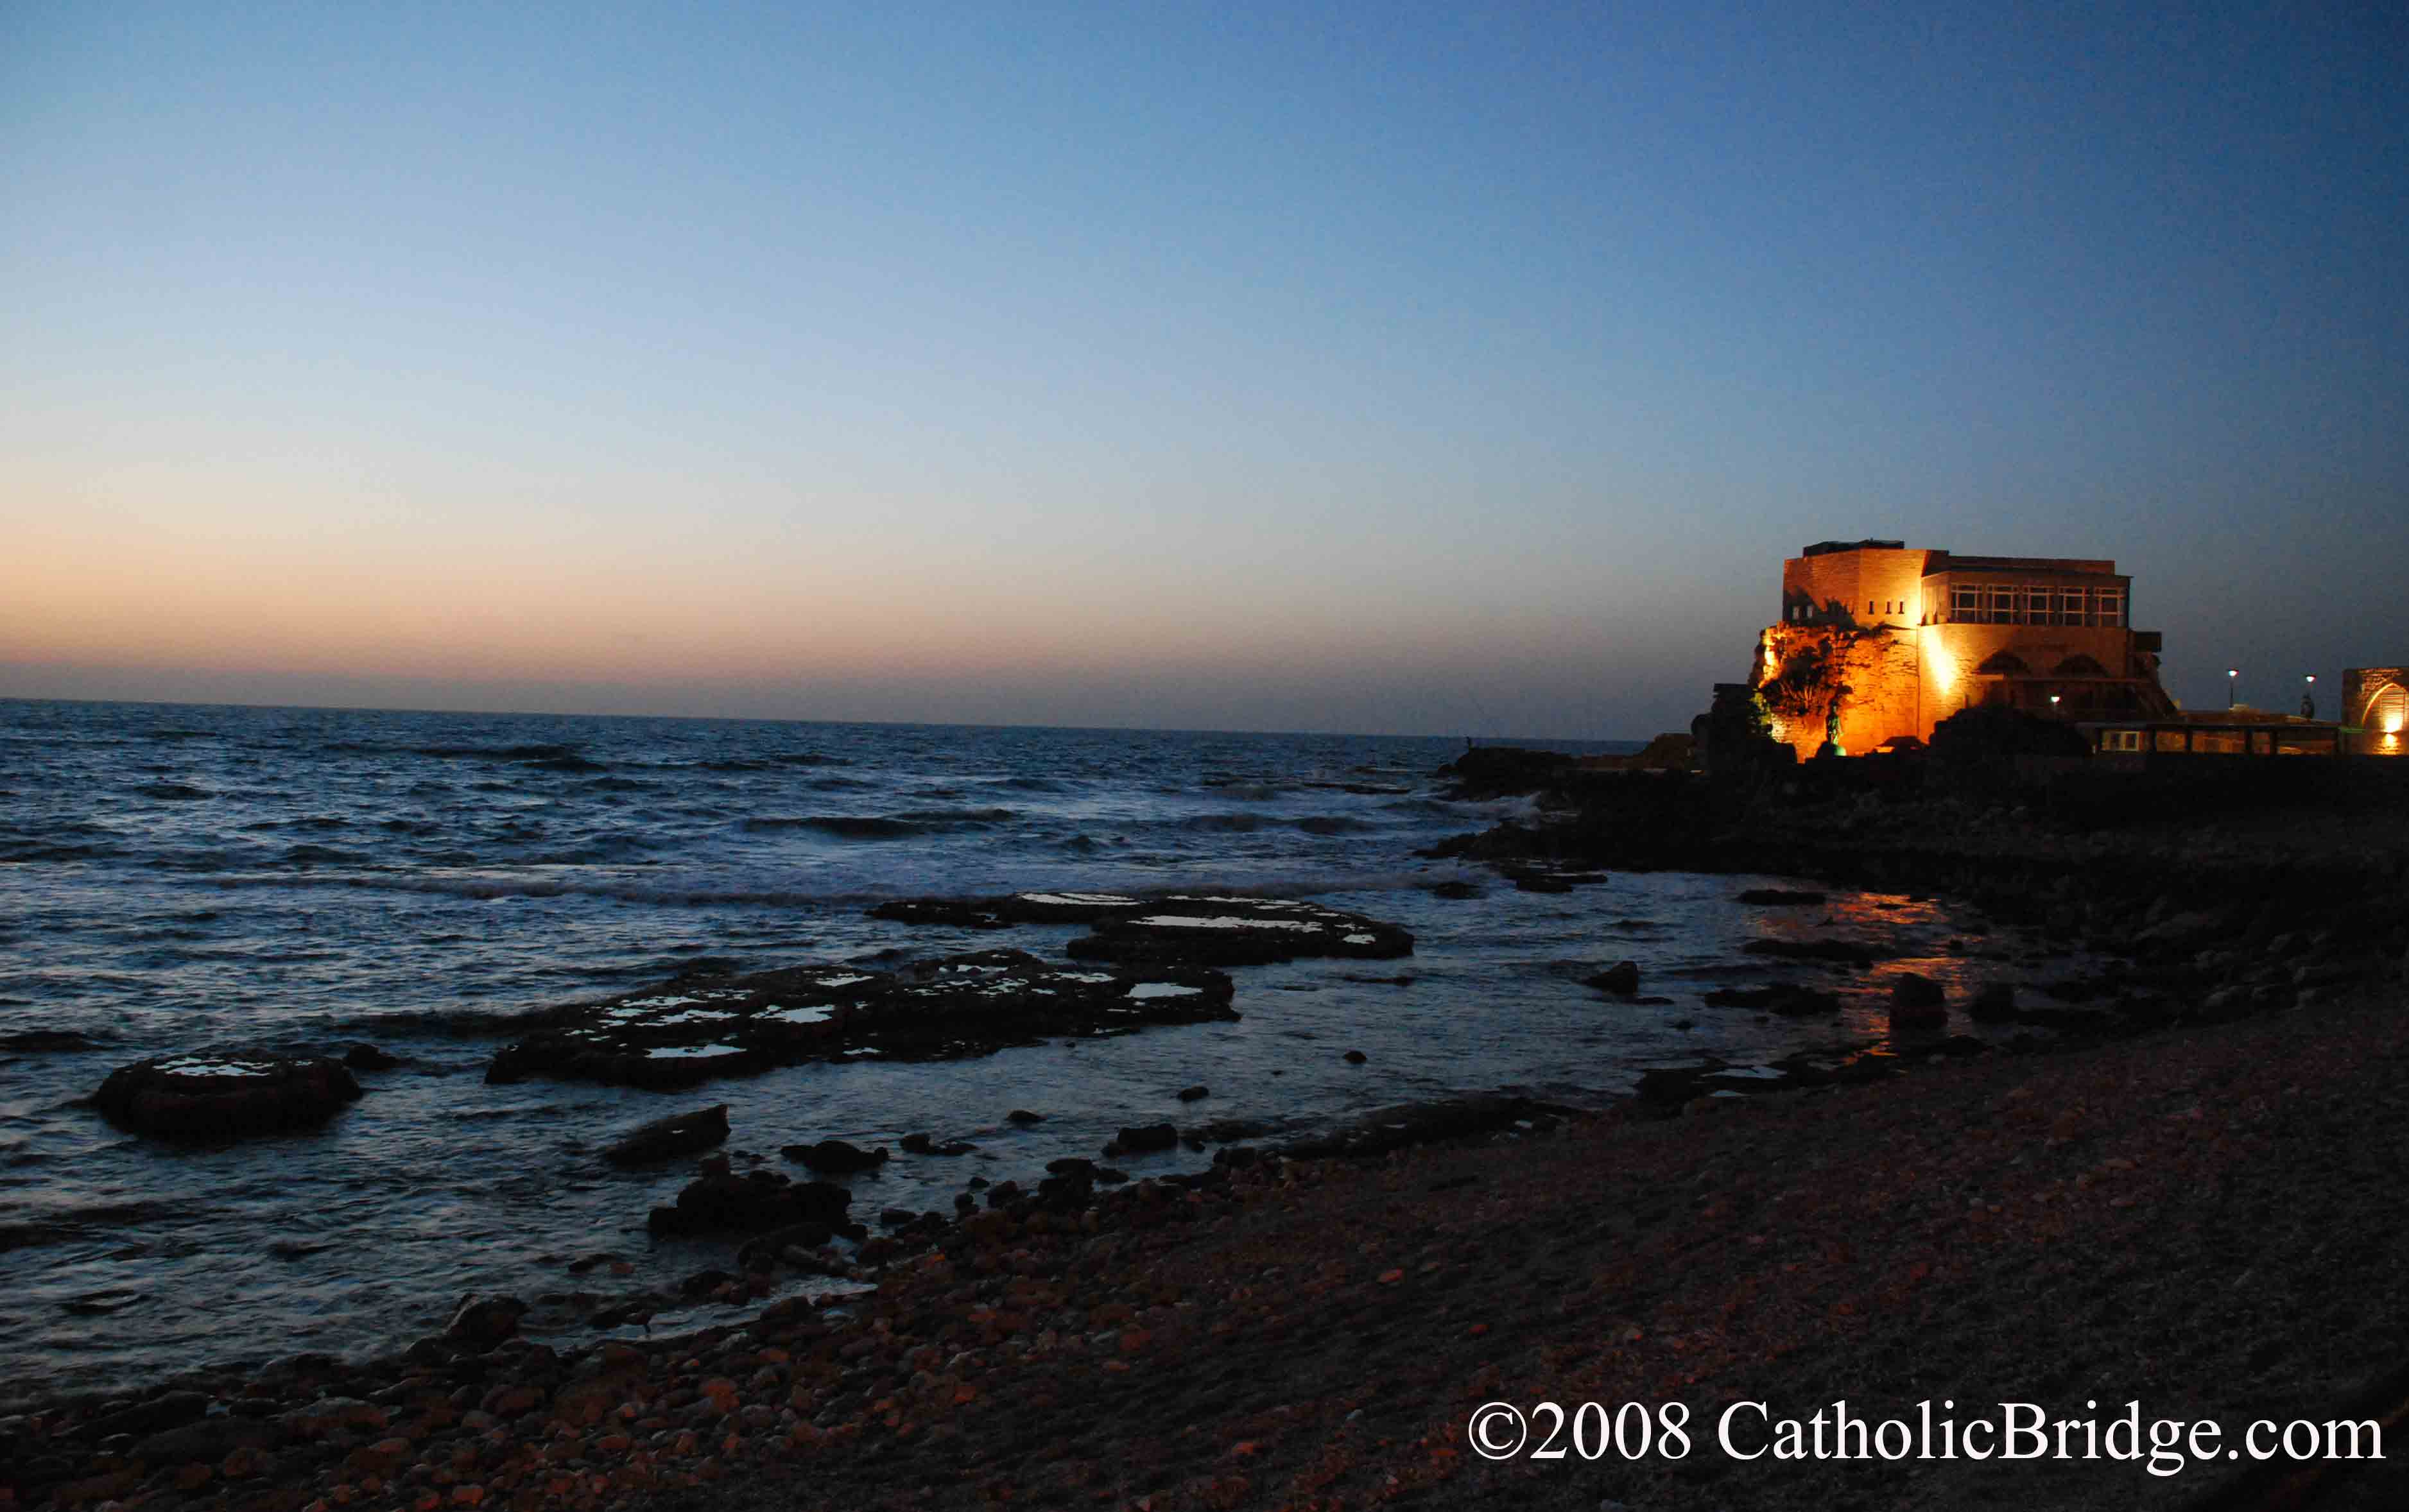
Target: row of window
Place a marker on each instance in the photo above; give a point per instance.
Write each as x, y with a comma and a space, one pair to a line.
1978, 603
2213, 741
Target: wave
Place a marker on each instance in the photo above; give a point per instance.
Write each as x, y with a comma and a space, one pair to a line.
1234, 824
544, 758
1331, 824
881, 826
174, 792
324, 855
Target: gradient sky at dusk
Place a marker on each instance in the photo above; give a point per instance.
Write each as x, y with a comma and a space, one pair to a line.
1380, 368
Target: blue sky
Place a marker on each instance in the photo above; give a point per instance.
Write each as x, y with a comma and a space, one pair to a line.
1380, 368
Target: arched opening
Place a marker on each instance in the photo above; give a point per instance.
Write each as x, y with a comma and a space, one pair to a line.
2387, 721
2003, 664
2080, 665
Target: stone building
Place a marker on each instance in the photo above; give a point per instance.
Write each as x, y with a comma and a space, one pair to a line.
2375, 710
1879, 641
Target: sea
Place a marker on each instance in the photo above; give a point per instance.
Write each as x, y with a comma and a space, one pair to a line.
181, 878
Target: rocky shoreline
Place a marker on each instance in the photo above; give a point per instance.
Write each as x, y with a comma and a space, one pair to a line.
1016, 1348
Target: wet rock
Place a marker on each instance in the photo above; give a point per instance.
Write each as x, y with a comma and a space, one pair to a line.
923, 1143
1194, 1094
960, 1005
1994, 1002
483, 1323
666, 1139
1917, 1002
1843, 952
1143, 1138
1456, 890
1781, 897
211, 1098
1354, 1057
755, 1203
1788, 999
1621, 978
835, 1157
370, 1057
1425, 1123
1024, 1117
1221, 931
171, 1409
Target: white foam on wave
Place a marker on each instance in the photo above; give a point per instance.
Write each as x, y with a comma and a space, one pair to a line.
693, 1052
1163, 989
1079, 900
796, 1015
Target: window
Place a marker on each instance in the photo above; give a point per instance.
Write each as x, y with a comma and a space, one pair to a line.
2109, 606
2170, 740
2071, 606
1966, 605
2004, 606
2121, 740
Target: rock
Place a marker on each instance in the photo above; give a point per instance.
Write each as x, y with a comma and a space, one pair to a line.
1385, 1130
922, 1144
368, 1058
483, 1323
1786, 998
1024, 1117
1456, 890
1994, 1002
1354, 1057
1781, 897
754, 1203
1623, 977
680, 1035
1143, 1138
213, 1098
172, 1409
835, 1157
1221, 931
1917, 1002
1194, 1094
1844, 952
666, 1139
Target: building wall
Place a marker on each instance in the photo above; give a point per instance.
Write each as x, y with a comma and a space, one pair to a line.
1871, 586
2366, 702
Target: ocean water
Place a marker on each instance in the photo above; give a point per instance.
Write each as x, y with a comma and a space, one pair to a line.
181, 878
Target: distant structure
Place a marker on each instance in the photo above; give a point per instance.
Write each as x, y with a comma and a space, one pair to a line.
2375, 710
1879, 642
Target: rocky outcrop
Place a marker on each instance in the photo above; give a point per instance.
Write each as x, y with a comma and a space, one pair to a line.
209, 1098
720, 1201
1192, 929
666, 1139
957, 1006
1221, 931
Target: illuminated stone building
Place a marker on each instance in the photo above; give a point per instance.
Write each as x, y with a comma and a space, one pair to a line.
1893, 640
2375, 710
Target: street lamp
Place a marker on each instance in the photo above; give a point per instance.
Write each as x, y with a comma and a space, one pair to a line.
2230, 674
2309, 696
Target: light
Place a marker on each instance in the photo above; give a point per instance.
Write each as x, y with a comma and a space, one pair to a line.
2052, 699
2312, 677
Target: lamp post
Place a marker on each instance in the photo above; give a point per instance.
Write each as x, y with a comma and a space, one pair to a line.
2309, 696
2230, 674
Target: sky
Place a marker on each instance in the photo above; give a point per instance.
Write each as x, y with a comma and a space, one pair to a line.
1381, 368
